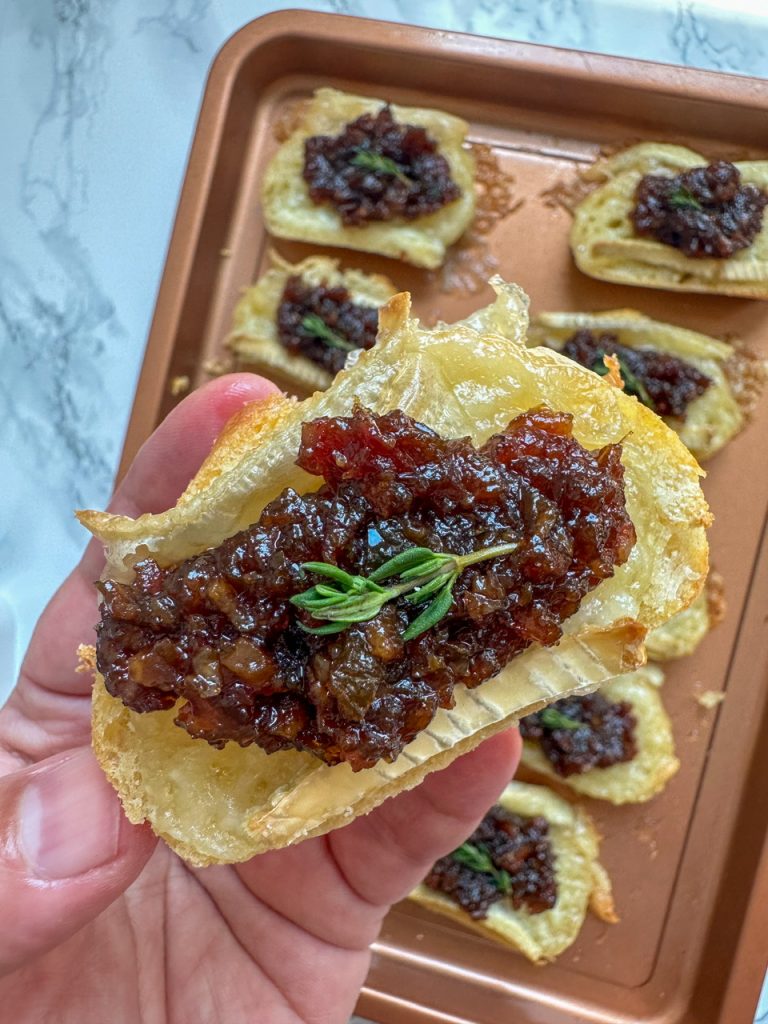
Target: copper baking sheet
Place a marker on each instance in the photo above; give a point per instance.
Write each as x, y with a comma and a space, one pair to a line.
690, 869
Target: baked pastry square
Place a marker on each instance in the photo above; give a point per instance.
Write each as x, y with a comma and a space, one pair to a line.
653, 763
606, 245
725, 380
582, 883
290, 212
255, 336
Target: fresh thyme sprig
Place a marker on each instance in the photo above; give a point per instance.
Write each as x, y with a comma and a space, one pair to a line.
316, 326
476, 857
551, 718
421, 574
632, 383
372, 161
682, 198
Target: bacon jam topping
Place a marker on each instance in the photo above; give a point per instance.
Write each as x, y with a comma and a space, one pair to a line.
226, 633
705, 212
507, 857
377, 170
324, 324
659, 380
579, 733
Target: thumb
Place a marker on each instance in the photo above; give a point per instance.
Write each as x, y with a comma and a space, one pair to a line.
66, 852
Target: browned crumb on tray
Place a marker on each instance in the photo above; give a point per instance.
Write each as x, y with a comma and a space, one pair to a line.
470, 262
218, 366
567, 194
495, 190
710, 699
467, 267
179, 385
716, 603
747, 374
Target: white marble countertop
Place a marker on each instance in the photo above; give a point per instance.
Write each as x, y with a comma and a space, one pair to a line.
99, 105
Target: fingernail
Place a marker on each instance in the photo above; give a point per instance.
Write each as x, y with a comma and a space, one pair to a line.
70, 818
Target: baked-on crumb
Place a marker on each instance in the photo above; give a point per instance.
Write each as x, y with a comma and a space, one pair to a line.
179, 385
709, 699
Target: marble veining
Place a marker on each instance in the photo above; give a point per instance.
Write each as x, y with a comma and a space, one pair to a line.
99, 100
180, 19
722, 44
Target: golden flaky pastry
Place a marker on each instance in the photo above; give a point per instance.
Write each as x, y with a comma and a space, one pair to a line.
254, 338
654, 764
582, 882
290, 213
461, 379
605, 245
737, 377
683, 633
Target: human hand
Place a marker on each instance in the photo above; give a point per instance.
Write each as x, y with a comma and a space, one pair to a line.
97, 926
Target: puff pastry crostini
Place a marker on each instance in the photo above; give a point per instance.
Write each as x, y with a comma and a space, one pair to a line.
299, 323
615, 744
705, 389
662, 216
363, 174
458, 531
683, 633
526, 877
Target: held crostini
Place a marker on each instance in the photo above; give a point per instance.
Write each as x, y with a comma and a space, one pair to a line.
663, 216
705, 389
527, 875
615, 744
357, 588
298, 323
364, 174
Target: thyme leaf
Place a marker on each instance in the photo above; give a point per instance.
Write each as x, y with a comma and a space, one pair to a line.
418, 574
681, 198
551, 718
369, 160
436, 609
477, 858
318, 328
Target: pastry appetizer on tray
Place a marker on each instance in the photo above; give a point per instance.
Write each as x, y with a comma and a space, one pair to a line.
663, 216
357, 588
705, 389
615, 744
368, 175
526, 876
298, 324
683, 633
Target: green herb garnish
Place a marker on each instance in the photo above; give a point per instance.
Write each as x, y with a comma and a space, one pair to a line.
371, 161
318, 328
683, 199
551, 718
421, 572
476, 857
632, 383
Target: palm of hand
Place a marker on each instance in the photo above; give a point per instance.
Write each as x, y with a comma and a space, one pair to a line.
283, 938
